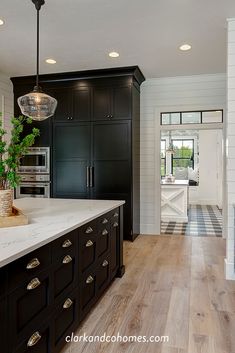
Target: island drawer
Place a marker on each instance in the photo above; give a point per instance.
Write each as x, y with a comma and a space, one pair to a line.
87, 292
29, 266
64, 245
102, 273
93, 283
64, 275
87, 252
114, 239
29, 304
88, 229
103, 242
65, 319
3, 281
3, 330
37, 341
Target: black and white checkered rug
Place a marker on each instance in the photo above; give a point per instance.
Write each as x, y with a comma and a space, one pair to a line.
203, 221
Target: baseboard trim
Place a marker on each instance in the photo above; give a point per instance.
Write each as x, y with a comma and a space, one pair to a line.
229, 270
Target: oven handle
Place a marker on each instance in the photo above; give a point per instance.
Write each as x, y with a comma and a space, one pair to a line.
34, 184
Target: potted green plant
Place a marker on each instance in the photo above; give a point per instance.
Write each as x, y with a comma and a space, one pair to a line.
10, 155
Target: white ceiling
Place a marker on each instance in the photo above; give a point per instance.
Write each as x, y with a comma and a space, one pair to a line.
80, 33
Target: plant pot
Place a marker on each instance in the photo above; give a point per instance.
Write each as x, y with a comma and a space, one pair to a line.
6, 202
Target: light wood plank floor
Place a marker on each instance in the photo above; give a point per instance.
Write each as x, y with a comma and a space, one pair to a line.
173, 286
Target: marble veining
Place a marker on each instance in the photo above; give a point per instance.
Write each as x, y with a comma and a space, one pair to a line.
48, 220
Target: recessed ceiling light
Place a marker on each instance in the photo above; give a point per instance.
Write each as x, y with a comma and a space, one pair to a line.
114, 54
185, 47
1, 22
50, 61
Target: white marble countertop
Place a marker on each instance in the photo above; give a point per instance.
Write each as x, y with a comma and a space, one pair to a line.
48, 220
176, 182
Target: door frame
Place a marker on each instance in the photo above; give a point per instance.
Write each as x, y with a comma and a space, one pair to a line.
159, 128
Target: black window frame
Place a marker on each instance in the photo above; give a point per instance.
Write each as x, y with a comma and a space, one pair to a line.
172, 157
193, 111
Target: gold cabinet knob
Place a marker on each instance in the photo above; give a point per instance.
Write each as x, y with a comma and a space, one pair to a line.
67, 243
89, 230
89, 279
105, 232
34, 339
34, 283
67, 259
89, 243
67, 304
115, 224
33, 263
105, 221
105, 263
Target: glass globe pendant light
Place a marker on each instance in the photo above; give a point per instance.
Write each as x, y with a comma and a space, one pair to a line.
37, 105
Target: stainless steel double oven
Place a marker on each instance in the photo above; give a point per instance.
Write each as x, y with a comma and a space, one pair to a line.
34, 171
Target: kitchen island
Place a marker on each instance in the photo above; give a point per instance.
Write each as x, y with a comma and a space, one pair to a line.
55, 268
174, 201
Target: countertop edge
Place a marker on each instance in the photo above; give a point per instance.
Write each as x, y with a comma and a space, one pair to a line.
56, 236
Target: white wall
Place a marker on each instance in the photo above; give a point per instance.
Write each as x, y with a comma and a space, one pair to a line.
199, 92
230, 177
6, 101
210, 178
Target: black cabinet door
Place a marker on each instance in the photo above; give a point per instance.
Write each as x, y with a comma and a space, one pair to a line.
38, 341
112, 166
64, 103
81, 100
122, 103
29, 304
3, 332
112, 103
65, 319
102, 103
71, 158
111, 155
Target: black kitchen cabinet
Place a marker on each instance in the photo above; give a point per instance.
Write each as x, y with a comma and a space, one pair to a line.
3, 331
112, 103
54, 287
74, 104
94, 135
71, 160
38, 341
65, 319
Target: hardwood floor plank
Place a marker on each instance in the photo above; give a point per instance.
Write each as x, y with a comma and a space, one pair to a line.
172, 286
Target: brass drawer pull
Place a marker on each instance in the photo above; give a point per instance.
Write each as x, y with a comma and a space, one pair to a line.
34, 283
89, 243
34, 339
67, 243
33, 263
105, 232
67, 259
105, 221
115, 215
105, 263
115, 224
89, 230
89, 279
67, 304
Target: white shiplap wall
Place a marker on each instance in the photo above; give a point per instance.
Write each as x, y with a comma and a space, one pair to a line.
6, 101
169, 94
230, 274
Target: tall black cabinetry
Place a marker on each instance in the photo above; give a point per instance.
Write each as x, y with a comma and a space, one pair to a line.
94, 136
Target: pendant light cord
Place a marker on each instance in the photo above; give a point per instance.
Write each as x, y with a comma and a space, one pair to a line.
37, 69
